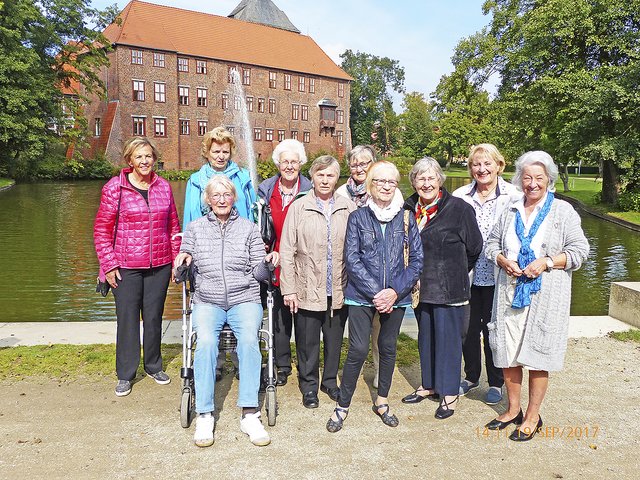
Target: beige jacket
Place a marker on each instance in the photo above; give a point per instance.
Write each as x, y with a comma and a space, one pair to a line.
303, 252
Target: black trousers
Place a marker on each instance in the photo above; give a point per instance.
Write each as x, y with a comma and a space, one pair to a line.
481, 308
360, 321
308, 325
440, 332
141, 292
282, 328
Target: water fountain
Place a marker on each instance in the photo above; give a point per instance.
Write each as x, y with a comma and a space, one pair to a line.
237, 116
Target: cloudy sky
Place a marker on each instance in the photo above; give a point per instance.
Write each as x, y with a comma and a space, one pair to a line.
420, 34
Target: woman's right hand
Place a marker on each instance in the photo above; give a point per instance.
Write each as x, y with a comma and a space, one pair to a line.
511, 267
181, 258
292, 302
112, 277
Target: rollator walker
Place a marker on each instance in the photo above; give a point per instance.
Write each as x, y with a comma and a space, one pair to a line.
227, 342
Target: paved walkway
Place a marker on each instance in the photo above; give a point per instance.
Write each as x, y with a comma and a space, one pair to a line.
82, 333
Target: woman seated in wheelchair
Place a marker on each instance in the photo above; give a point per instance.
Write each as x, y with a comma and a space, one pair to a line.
229, 258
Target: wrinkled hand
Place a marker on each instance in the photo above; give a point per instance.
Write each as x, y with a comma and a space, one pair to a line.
384, 300
510, 266
112, 277
535, 268
273, 257
292, 302
182, 258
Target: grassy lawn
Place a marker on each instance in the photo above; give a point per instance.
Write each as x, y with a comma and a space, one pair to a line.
69, 362
5, 181
632, 335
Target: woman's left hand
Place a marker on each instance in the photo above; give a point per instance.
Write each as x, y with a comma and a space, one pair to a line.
535, 268
273, 257
384, 300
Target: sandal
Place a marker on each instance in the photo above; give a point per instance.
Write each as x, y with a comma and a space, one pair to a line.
388, 420
443, 410
334, 426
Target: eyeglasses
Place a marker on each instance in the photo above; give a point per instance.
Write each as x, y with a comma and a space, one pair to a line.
361, 166
292, 163
216, 196
380, 182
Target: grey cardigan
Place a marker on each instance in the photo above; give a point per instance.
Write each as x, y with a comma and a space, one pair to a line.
546, 331
229, 260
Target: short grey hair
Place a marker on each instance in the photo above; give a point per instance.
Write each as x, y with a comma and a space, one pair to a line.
427, 164
292, 146
216, 180
364, 152
323, 162
536, 157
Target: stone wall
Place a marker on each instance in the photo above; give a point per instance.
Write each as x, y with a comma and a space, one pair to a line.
624, 302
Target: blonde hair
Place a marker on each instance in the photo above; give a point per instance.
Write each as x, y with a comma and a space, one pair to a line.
218, 135
487, 150
135, 143
373, 170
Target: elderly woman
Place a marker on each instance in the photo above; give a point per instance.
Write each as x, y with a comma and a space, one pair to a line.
537, 243
451, 243
313, 278
135, 238
489, 195
229, 259
278, 192
360, 158
378, 282
218, 146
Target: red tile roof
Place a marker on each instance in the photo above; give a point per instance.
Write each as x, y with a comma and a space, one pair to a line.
210, 36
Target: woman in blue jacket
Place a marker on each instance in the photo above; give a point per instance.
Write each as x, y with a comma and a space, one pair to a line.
377, 281
218, 146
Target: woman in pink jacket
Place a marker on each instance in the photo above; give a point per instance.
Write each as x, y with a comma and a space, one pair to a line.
134, 235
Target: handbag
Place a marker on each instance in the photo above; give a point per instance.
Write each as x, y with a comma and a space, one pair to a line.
415, 290
262, 215
102, 286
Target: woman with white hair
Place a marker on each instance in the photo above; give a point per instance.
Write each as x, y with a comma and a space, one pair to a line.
277, 193
536, 243
313, 278
451, 243
229, 258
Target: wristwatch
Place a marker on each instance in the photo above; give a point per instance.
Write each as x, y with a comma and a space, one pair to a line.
549, 264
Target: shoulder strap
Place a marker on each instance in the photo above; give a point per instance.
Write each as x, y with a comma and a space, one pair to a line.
115, 229
406, 238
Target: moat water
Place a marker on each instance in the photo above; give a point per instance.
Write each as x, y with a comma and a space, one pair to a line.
49, 263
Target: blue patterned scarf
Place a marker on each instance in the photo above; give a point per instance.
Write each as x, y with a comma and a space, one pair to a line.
525, 287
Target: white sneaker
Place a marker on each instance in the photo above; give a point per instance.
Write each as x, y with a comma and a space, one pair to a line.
252, 426
204, 430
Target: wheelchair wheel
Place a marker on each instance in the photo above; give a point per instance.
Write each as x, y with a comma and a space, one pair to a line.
272, 406
186, 407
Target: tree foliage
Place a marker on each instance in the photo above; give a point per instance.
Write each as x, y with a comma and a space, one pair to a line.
416, 129
46, 45
568, 76
371, 103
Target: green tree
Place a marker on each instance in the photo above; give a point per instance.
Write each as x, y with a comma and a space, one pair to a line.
568, 77
46, 45
371, 103
461, 113
416, 130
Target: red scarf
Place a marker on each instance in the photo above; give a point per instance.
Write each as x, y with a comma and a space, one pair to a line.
424, 214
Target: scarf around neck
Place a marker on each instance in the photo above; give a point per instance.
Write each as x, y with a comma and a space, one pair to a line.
525, 287
384, 215
424, 213
358, 193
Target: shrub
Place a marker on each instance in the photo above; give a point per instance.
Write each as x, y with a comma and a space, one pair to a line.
629, 201
176, 174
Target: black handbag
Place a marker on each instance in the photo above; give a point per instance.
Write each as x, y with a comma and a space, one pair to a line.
265, 223
102, 286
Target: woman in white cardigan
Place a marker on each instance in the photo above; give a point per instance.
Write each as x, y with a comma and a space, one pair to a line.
536, 243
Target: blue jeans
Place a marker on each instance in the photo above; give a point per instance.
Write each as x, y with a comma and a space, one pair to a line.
245, 320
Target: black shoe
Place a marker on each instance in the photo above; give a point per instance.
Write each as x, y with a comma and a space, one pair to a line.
281, 378
443, 410
310, 400
388, 420
335, 426
519, 436
218, 375
334, 392
496, 424
415, 397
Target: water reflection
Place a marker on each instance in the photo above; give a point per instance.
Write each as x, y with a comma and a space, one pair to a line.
49, 263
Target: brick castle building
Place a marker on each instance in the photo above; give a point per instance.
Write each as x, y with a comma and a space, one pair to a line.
175, 74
